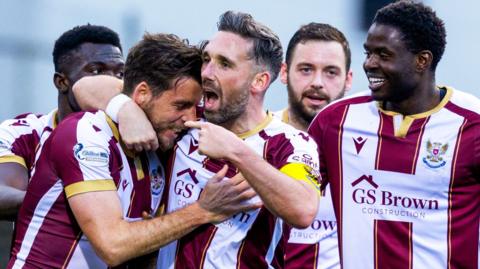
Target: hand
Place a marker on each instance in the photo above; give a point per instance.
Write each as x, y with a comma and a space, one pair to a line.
94, 92
215, 141
135, 129
146, 215
223, 198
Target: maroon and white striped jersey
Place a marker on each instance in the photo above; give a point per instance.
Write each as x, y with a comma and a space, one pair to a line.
254, 239
315, 247
82, 155
406, 189
21, 138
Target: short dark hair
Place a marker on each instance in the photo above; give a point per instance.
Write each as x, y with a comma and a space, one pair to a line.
419, 24
319, 32
267, 49
69, 41
160, 59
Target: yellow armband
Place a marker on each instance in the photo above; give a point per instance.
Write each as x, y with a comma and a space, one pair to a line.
302, 172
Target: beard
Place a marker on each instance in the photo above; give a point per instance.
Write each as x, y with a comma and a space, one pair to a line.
229, 109
303, 112
163, 129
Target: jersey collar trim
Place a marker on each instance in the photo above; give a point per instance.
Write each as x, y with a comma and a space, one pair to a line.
285, 118
257, 128
425, 114
116, 134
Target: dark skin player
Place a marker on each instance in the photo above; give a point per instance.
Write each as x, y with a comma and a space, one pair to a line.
87, 59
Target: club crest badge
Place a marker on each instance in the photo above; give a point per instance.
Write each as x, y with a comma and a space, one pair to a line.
157, 182
435, 154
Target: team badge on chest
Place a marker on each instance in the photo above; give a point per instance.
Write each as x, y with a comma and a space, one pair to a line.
156, 180
435, 154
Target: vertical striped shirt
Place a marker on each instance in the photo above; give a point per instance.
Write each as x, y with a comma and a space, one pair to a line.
21, 138
254, 239
83, 154
406, 189
315, 247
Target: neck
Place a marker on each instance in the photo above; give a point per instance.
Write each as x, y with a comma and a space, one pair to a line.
64, 108
423, 99
296, 120
250, 119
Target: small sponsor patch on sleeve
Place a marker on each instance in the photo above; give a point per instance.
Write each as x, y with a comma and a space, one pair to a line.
302, 172
91, 156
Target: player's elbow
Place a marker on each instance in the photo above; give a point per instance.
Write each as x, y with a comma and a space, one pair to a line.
109, 251
305, 213
111, 256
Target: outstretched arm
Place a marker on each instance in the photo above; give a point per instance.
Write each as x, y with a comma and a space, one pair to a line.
116, 240
295, 201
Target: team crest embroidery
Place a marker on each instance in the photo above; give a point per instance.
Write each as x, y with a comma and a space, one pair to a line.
436, 152
157, 181
313, 176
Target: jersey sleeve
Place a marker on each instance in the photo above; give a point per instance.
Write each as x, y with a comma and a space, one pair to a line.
296, 156
82, 154
316, 132
19, 139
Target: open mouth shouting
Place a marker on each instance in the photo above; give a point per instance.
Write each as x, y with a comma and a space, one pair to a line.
210, 98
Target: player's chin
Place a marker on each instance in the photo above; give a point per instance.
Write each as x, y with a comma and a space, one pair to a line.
167, 139
164, 144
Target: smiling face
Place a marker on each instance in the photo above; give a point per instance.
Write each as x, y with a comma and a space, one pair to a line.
169, 110
389, 65
316, 76
227, 75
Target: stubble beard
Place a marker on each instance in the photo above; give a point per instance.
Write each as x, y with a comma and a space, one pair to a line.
229, 111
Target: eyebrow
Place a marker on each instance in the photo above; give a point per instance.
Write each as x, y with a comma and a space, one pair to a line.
225, 59
184, 103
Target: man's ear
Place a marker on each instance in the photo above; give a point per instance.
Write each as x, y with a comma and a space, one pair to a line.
142, 94
284, 73
348, 80
260, 82
61, 82
423, 60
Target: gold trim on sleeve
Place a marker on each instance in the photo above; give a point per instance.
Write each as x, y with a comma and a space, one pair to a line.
89, 186
13, 159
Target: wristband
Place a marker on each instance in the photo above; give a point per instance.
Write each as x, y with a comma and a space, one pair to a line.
115, 104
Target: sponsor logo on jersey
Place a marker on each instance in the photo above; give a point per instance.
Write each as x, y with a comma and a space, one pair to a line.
435, 154
359, 142
370, 194
95, 156
185, 184
319, 229
156, 181
124, 184
193, 145
307, 160
304, 136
